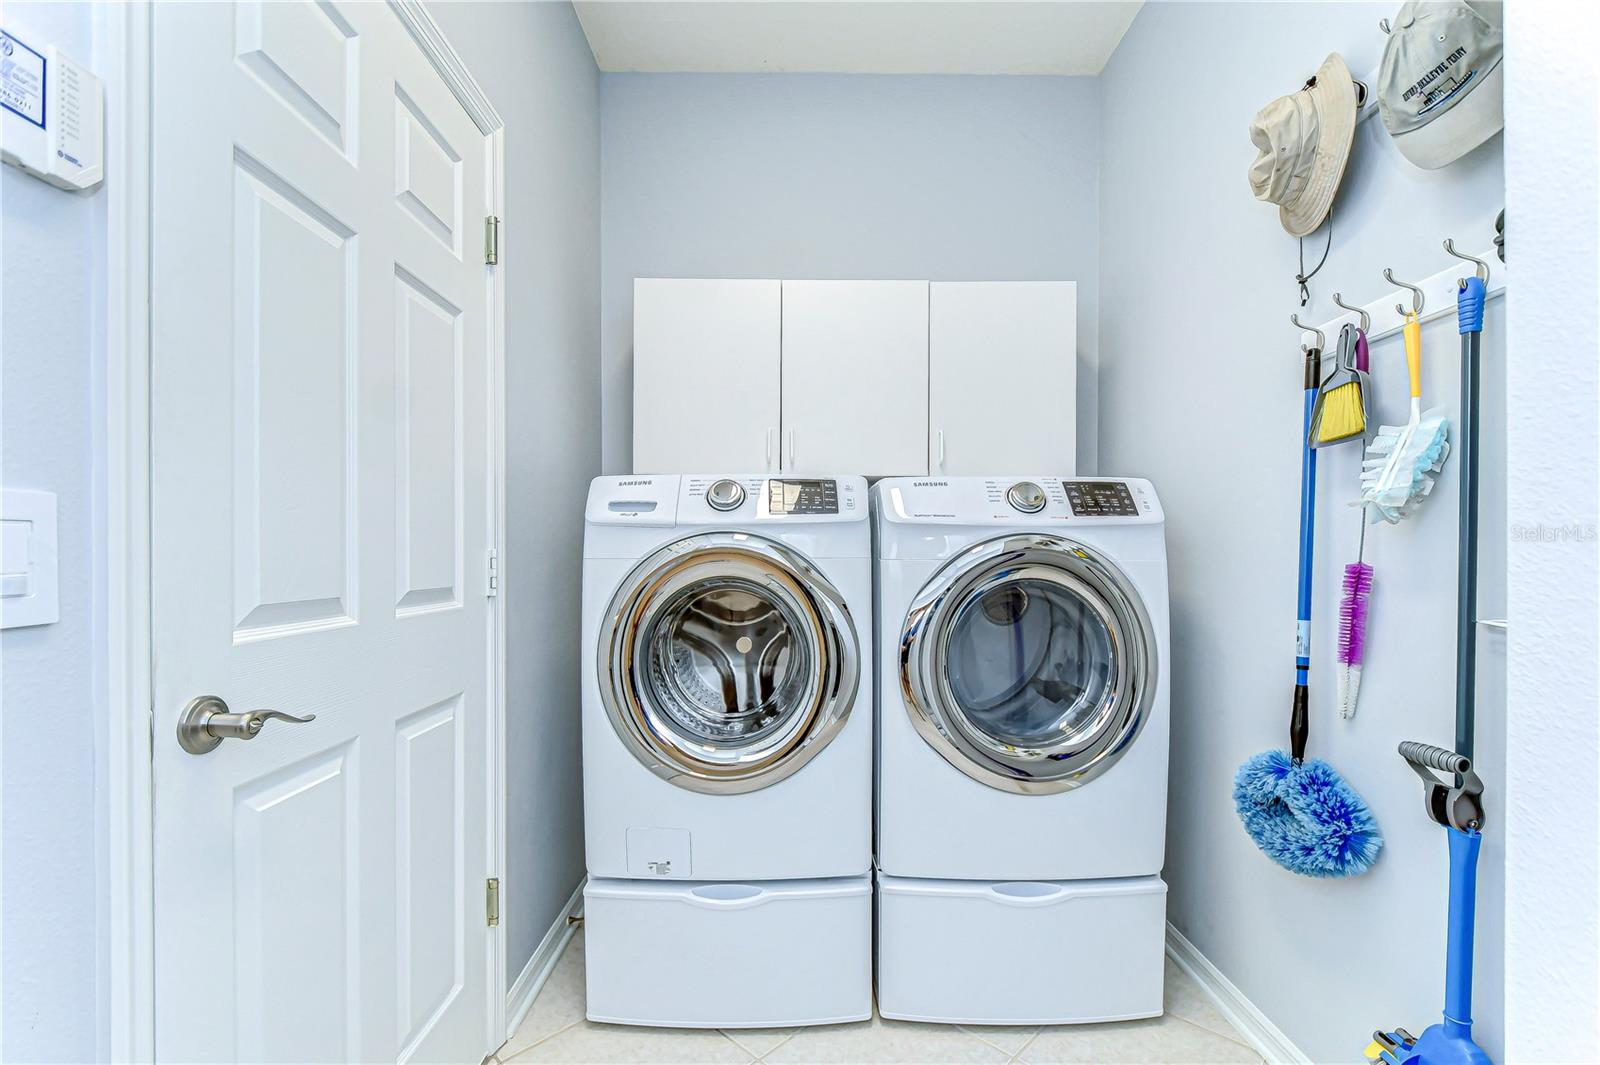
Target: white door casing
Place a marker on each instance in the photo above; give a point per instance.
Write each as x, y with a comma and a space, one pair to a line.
321, 504
855, 377
1002, 377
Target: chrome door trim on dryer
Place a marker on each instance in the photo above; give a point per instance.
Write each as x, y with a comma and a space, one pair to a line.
994, 576
666, 604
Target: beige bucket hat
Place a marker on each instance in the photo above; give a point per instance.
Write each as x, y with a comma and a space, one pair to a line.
1302, 142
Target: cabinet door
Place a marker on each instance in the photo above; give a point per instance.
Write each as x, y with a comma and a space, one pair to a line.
855, 377
1003, 377
705, 375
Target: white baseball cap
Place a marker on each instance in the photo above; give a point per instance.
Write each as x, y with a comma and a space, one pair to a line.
1440, 81
1302, 144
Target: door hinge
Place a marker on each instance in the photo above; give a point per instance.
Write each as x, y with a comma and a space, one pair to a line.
492, 901
491, 239
494, 572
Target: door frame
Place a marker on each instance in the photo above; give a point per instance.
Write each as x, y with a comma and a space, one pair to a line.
123, 47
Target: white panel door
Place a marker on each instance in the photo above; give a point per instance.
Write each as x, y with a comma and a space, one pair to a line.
1002, 377
855, 377
705, 375
321, 471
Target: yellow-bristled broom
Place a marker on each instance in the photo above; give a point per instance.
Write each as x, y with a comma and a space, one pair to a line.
1341, 412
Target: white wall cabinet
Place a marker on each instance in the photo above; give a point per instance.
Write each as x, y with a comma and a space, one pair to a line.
1002, 377
855, 377
869, 377
706, 379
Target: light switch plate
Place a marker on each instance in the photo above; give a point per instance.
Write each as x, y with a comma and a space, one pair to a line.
28, 558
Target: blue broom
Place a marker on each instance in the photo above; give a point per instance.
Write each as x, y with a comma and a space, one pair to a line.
1302, 814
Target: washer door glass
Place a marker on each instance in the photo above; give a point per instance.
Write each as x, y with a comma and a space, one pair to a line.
727, 662
1029, 663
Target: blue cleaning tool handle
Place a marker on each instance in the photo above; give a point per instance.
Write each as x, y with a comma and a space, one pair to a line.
1299, 718
1469, 305
1308, 504
1459, 934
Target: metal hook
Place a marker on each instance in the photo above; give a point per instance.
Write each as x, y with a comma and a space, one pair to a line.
1322, 340
1481, 269
1366, 319
1416, 294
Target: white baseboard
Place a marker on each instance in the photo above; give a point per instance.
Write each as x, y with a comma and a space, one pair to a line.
519, 1000
1258, 1031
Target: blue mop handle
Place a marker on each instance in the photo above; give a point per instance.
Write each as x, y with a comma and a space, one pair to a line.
1463, 912
1299, 724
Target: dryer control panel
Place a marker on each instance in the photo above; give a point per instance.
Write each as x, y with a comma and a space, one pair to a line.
1111, 499
1018, 501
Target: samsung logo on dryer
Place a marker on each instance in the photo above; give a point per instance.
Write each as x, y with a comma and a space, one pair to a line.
624, 484
930, 484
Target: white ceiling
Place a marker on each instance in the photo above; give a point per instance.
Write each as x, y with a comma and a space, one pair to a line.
885, 37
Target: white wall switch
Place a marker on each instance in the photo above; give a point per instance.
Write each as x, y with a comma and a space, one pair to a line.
53, 113
28, 558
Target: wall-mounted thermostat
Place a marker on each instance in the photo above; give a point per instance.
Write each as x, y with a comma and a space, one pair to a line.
54, 114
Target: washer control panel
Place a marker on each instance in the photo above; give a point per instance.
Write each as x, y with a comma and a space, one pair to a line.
1026, 496
725, 495
809, 496
716, 499
1100, 499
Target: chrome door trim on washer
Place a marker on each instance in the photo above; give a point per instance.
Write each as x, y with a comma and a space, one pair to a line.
814, 613
1047, 561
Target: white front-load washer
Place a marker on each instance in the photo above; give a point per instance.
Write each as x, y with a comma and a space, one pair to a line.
1022, 749
727, 750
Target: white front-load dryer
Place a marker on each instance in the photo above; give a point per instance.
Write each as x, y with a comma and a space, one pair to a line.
1022, 756
727, 750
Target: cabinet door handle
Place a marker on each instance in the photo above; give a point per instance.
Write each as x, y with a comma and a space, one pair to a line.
940, 467
791, 449
768, 440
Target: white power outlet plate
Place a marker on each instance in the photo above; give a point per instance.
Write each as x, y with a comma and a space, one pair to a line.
28, 593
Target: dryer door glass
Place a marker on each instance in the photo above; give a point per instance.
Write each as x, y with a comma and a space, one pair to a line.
1029, 663
727, 662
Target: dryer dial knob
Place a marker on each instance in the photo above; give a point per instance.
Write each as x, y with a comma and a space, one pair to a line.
725, 495
1026, 497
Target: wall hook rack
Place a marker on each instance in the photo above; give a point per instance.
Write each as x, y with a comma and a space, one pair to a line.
1366, 319
1480, 267
1322, 339
1416, 293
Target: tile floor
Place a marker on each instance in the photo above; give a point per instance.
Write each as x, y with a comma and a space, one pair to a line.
555, 1030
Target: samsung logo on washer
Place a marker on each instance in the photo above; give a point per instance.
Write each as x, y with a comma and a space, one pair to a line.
930, 484
624, 484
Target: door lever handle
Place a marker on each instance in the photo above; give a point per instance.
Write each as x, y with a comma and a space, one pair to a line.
206, 722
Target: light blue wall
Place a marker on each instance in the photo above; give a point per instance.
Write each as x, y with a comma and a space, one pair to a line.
51, 291
844, 176
1200, 391
534, 63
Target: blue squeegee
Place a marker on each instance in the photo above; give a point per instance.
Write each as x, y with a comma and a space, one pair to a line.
1302, 814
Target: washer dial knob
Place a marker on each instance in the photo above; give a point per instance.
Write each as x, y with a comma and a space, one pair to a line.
725, 495
1026, 497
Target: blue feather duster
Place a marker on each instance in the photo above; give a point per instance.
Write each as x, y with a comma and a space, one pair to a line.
1305, 817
